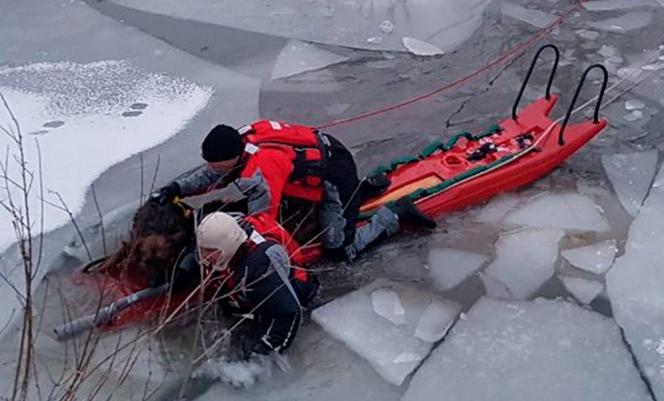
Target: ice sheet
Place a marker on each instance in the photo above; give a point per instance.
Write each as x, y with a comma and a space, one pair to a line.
448, 266
496, 209
609, 5
570, 211
435, 321
421, 48
625, 23
595, 258
530, 16
524, 261
631, 175
523, 351
583, 290
634, 285
298, 57
323, 369
393, 350
443, 23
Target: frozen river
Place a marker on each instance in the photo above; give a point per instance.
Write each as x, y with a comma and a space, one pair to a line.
551, 292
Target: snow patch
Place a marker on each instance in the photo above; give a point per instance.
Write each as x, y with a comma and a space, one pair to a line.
88, 101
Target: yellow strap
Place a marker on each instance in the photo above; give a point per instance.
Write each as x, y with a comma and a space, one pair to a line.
186, 210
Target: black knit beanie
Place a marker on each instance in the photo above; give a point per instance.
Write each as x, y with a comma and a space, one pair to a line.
222, 143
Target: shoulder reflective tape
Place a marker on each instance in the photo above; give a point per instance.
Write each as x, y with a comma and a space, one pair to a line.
256, 238
275, 125
244, 129
250, 148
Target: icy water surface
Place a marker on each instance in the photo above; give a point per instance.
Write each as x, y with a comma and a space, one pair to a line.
556, 239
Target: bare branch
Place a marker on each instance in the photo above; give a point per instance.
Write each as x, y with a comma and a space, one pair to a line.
63, 207
154, 176
101, 219
11, 113
41, 207
140, 157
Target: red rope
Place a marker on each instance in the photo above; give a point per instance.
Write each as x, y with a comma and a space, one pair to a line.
502, 59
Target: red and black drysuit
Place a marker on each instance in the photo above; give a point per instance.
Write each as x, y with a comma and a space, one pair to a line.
262, 282
288, 160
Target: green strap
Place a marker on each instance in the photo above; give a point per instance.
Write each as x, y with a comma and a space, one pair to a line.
402, 160
453, 140
492, 130
380, 170
433, 148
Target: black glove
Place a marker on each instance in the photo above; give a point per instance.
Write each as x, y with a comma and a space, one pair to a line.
168, 193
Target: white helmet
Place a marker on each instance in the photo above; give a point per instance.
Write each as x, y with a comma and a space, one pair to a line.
220, 231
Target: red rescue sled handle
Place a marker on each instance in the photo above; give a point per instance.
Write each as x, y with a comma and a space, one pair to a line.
530, 72
547, 95
598, 104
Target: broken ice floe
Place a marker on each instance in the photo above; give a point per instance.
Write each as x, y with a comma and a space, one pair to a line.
633, 116
596, 258
435, 321
634, 104
635, 284
609, 5
652, 67
583, 290
530, 16
625, 23
607, 51
421, 48
394, 350
337, 108
442, 23
496, 209
586, 34
524, 261
631, 175
524, 351
448, 267
298, 57
570, 211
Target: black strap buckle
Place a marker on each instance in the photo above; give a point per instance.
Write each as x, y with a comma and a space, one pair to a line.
482, 151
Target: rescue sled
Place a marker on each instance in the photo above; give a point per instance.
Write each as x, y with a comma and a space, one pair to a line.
446, 176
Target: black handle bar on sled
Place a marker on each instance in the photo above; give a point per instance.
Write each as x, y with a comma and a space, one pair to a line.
605, 79
106, 314
530, 72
